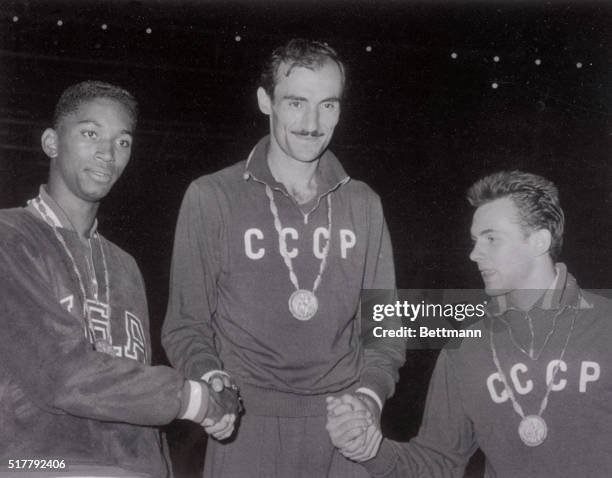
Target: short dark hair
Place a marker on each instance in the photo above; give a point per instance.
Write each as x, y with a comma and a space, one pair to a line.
75, 95
536, 198
298, 52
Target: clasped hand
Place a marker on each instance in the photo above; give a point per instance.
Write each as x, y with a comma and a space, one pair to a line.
353, 424
224, 406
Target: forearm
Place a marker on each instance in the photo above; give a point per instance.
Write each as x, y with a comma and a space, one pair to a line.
188, 335
412, 459
383, 356
446, 438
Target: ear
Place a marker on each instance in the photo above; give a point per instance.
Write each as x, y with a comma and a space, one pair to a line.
264, 101
540, 241
48, 141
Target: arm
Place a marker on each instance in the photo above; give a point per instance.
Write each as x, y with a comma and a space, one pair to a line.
187, 334
446, 438
45, 351
382, 356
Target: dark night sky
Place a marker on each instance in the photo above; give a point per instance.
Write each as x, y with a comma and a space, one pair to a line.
418, 125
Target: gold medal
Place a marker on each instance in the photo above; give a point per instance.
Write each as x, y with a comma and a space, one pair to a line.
533, 430
303, 304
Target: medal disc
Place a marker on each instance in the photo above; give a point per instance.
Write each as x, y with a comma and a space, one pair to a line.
104, 347
303, 304
533, 430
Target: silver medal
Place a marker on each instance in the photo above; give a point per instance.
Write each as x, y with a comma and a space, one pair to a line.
303, 304
533, 430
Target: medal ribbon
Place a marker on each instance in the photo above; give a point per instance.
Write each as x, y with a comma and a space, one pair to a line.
531, 354
52, 221
517, 407
282, 244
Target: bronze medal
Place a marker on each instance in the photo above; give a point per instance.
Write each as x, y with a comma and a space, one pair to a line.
105, 347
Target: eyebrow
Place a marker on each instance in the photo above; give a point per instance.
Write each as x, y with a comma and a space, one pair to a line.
301, 98
123, 131
483, 232
293, 97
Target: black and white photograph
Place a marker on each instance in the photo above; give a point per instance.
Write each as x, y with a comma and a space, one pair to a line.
305, 239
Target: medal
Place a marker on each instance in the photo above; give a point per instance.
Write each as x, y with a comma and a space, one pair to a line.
303, 304
533, 430
100, 345
105, 347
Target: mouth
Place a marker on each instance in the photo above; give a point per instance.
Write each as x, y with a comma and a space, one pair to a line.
487, 273
99, 175
308, 137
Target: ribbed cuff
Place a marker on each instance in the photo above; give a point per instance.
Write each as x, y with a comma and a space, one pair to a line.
379, 382
194, 400
384, 462
372, 394
202, 365
207, 375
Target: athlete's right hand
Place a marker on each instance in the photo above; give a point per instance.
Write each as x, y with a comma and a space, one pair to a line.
224, 407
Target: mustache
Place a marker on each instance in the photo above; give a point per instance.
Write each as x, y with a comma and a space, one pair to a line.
314, 134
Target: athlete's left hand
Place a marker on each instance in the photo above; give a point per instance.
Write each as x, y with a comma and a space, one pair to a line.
225, 394
222, 429
343, 412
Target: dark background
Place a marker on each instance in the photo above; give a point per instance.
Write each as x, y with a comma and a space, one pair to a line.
418, 125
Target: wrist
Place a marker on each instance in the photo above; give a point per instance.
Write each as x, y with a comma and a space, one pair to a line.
210, 374
194, 401
373, 395
369, 403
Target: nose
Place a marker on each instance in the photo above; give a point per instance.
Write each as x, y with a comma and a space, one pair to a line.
476, 253
311, 119
105, 151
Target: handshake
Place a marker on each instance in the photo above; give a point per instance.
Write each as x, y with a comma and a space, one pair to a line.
214, 404
353, 424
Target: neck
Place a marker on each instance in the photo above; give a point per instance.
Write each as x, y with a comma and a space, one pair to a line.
81, 214
82, 218
536, 285
298, 177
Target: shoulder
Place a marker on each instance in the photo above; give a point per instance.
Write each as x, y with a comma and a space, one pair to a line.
17, 224
472, 348
212, 188
208, 198
13, 217
230, 176
116, 251
598, 307
124, 267
361, 195
594, 300
360, 188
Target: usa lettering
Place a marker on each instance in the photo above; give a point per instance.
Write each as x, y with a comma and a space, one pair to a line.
255, 250
522, 382
98, 316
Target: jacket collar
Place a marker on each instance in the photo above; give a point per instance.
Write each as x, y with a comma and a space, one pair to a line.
330, 173
563, 291
50, 211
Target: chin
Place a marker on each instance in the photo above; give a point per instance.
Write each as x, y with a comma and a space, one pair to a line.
495, 292
96, 195
305, 156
